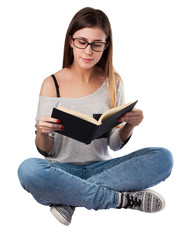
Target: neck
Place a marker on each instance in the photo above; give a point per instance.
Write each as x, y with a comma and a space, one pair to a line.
83, 75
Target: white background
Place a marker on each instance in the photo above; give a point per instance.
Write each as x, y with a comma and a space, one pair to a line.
153, 52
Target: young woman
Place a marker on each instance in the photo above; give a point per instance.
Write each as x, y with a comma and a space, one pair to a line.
74, 174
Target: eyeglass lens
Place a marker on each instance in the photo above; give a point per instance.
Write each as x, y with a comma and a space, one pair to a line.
82, 44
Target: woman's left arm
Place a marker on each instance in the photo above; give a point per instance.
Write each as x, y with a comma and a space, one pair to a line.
132, 119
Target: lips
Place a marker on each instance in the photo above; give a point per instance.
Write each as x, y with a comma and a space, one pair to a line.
87, 60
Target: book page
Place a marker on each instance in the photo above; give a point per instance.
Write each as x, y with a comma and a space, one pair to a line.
111, 112
79, 115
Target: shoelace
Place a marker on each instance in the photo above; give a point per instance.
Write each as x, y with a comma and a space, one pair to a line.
132, 202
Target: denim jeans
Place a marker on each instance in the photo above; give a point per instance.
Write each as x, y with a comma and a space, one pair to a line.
97, 185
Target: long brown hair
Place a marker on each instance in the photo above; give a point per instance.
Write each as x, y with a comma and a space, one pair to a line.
90, 17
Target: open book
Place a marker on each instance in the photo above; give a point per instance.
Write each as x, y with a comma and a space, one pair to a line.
85, 128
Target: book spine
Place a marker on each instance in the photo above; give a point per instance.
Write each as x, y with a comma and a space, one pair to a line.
92, 135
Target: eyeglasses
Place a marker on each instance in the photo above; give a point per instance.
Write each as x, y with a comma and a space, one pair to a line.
96, 46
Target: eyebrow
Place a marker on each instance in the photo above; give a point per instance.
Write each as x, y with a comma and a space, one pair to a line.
96, 40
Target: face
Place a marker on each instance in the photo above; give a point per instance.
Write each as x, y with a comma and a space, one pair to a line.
87, 58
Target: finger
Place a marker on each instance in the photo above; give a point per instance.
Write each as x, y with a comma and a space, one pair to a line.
49, 125
49, 119
134, 112
131, 119
47, 130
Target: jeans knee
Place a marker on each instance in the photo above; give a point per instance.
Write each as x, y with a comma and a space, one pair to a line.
26, 172
23, 172
166, 160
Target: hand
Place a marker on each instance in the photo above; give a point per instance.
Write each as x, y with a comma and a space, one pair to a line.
133, 118
48, 125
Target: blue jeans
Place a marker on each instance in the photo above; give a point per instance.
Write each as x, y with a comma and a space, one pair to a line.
97, 185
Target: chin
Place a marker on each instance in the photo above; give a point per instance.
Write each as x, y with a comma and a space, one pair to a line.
87, 66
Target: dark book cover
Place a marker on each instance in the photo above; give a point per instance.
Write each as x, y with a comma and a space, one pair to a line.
85, 131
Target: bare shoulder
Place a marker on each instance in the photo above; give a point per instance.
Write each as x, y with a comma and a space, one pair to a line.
48, 88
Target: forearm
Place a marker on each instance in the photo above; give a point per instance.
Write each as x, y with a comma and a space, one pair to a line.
45, 126
132, 119
44, 142
125, 132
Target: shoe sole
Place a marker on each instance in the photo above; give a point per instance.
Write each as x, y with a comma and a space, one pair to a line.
59, 217
156, 195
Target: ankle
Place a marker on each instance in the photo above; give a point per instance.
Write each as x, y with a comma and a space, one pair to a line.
120, 200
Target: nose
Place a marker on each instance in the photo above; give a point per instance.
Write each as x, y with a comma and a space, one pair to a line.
88, 49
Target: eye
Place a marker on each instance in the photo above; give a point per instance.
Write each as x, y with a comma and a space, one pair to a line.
98, 45
81, 42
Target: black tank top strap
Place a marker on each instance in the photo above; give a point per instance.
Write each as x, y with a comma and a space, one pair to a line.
56, 84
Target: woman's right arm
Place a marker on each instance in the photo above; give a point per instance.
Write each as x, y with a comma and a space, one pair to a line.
46, 124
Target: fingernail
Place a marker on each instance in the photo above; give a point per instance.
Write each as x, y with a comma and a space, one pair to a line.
58, 121
62, 128
119, 120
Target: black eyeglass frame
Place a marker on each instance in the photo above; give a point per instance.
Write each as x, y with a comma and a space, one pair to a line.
91, 44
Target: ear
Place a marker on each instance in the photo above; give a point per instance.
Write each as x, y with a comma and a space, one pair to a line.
71, 42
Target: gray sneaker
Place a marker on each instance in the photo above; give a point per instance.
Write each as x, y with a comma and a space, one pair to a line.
63, 213
146, 201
